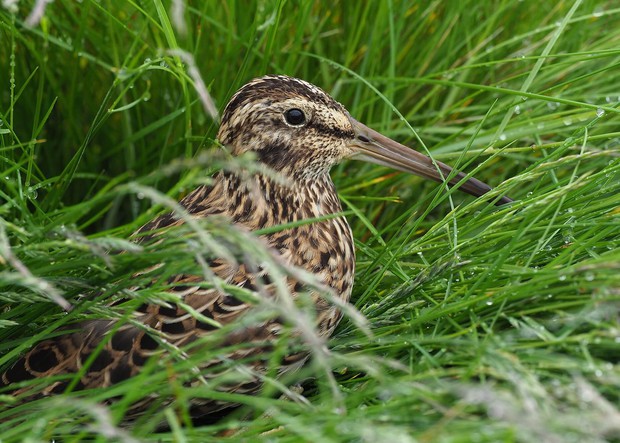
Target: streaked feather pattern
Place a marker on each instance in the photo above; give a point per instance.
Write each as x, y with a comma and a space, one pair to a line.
298, 132
254, 201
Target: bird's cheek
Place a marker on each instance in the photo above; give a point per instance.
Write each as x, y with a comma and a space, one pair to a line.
346, 151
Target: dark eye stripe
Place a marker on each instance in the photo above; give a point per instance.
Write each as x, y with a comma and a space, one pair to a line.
332, 131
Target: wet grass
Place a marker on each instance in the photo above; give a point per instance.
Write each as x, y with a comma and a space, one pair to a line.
487, 323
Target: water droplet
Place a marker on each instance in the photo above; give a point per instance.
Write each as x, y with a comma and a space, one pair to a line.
517, 109
146, 97
600, 112
502, 137
139, 195
562, 277
147, 60
529, 194
489, 303
553, 105
589, 276
448, 75
570, 210
123, 74
568, 122
597, 13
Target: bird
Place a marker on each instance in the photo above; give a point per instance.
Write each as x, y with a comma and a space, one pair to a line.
296, 132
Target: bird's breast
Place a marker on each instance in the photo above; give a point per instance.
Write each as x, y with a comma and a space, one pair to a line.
320, 242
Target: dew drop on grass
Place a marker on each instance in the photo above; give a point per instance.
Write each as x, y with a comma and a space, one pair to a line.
502, 137
122, 74
568, 122
529, 194
517, 109
600, 112
139, 195
489, 303
589, 276
562, 277
448, 75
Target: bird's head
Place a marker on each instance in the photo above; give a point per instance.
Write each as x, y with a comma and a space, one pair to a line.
297, 129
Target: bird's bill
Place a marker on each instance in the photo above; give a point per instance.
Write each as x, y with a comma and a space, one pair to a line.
373, 147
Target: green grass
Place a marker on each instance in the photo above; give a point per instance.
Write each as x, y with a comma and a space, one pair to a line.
487, 324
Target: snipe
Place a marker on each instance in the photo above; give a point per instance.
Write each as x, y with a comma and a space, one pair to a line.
300, 132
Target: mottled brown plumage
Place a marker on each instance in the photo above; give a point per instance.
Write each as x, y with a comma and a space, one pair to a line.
300, 132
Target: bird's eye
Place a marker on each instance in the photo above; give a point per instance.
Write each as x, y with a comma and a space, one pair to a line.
295, 117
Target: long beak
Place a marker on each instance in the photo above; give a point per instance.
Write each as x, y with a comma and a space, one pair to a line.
371, 146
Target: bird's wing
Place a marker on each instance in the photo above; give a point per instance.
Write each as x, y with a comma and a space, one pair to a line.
111, 353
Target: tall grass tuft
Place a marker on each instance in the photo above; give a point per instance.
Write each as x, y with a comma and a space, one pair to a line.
481, 323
